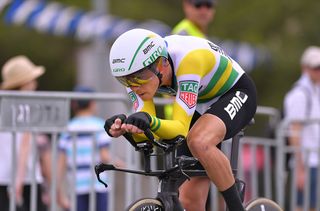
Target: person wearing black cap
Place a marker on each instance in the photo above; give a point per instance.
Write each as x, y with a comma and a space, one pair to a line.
198, 15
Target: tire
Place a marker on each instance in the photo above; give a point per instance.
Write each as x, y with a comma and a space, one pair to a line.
146, 204
262, 204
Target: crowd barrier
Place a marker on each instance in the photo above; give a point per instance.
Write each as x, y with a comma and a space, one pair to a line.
262, 159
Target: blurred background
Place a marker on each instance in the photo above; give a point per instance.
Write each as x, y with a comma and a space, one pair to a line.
71, 39
282, 29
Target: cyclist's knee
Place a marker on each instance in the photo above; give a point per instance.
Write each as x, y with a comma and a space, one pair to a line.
198, 144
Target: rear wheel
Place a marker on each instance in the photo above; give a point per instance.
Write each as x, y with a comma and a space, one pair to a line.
146, 204
262, 204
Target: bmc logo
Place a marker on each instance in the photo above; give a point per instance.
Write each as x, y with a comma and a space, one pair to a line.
114, 61
235, 104
153, 57
148, 48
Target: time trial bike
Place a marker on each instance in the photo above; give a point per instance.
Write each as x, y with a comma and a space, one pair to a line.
176, 170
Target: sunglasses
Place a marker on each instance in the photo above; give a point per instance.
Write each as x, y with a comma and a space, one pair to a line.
140, 77
137, 79
198, 5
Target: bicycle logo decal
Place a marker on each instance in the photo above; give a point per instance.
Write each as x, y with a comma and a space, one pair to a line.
188, 92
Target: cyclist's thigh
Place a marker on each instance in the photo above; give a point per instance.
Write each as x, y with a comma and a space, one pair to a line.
183, 149
236, 107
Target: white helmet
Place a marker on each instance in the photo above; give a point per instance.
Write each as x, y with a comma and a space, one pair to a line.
134, 50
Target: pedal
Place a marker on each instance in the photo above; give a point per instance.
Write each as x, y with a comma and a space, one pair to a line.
241, 186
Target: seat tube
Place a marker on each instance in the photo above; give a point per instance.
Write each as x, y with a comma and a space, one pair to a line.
169, 160
235, 152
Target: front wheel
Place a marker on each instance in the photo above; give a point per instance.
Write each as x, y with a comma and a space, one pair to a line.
262, 204
146, 204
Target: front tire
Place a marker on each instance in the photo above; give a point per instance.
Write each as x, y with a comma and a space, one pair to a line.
262, 204
146, 204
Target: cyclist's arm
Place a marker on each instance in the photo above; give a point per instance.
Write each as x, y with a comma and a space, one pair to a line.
165, 129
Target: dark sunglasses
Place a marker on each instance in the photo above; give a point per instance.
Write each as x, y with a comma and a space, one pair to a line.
198, 5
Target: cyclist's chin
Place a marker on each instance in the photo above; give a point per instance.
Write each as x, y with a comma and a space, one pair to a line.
146, 96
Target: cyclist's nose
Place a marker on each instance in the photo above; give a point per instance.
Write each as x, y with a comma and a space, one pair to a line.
135, 88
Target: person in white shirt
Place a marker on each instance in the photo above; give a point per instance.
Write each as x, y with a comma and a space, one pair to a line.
84, 121
302, 104
19, 74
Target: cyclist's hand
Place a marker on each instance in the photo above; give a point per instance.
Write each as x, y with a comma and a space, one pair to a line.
113, 125
137, 122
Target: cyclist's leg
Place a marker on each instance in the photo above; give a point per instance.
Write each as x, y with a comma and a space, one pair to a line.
217, 124
196, 198
207, 132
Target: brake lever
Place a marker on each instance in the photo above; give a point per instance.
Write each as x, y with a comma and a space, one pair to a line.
182, 172
150, 136
101, 168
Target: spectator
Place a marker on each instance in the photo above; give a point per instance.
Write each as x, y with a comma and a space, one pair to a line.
20, 74
198, 16
301, 104
83, 121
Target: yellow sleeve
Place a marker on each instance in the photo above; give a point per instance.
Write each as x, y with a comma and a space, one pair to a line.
168, 129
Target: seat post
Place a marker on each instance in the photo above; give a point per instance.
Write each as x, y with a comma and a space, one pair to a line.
235, 152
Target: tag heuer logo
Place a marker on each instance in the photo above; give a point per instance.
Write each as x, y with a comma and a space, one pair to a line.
188, 92
134, 100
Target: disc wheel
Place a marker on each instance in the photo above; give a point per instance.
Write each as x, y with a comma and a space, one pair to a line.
146, 204
262, 204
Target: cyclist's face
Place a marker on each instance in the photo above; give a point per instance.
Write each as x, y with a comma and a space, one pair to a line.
146, 91
144, 82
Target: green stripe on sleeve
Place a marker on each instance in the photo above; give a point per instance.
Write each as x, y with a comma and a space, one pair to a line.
155, 124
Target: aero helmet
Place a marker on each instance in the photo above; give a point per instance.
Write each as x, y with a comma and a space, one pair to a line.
135, 50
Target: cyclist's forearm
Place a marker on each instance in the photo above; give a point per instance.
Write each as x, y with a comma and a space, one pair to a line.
168, 129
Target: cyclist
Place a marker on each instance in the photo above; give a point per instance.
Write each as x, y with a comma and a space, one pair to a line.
214, 97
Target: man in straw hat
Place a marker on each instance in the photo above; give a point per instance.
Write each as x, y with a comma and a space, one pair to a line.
19, 73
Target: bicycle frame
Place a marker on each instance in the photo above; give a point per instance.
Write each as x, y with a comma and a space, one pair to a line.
173, 174
175, 170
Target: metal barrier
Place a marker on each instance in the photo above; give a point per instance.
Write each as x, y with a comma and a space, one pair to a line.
287, 168
49, 112
261, 158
